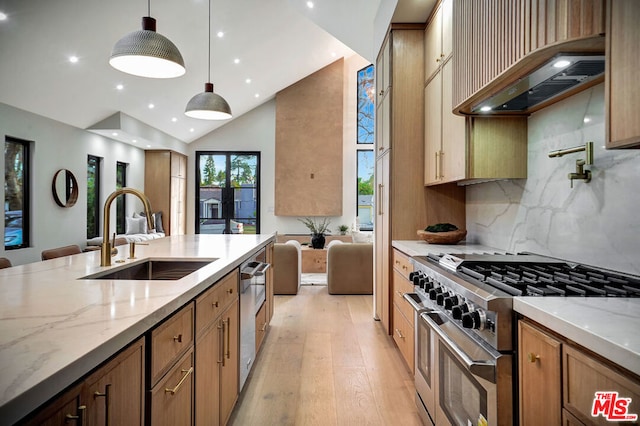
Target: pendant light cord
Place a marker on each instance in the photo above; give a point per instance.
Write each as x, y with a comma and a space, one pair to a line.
149, 8
209, 39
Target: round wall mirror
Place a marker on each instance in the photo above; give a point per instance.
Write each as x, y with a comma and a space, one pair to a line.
65, 188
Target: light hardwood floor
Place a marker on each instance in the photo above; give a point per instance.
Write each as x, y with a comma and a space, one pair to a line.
326, 361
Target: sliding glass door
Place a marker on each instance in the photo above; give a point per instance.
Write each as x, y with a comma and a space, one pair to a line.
228, 192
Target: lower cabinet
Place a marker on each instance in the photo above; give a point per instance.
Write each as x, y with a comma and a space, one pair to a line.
261, 325
112, 395
217, 352
559, 382
403, 314
171, 401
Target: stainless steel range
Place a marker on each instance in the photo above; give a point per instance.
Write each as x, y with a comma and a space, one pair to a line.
465, 344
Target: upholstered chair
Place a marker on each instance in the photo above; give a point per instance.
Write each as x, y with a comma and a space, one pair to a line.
350, 268
60, 252
287, 265
4, 263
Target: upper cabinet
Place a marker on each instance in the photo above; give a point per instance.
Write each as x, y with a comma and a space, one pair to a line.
497, 43
438, 41
383, 99
458, 150
622, 89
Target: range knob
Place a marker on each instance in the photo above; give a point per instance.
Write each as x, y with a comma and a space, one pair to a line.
475, 320
413, 275
428, 284
440, 298
451, 301
422, 281
434, 292
459, 310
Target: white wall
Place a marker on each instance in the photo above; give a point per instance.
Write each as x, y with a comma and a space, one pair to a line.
595, 223
255, 131
57, 146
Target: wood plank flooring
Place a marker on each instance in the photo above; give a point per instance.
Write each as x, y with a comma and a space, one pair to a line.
326, 361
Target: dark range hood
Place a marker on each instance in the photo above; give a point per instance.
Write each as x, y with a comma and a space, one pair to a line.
562, 73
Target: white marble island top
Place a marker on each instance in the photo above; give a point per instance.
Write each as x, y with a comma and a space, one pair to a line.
606, 326
55, 327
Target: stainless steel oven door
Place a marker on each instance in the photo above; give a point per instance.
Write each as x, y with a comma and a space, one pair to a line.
474, 383
425, 376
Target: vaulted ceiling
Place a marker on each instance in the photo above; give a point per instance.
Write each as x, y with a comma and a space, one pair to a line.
267, 45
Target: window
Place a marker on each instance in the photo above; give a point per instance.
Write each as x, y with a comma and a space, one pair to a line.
365, 157
121, 202
16, 193
228, 192
93, 196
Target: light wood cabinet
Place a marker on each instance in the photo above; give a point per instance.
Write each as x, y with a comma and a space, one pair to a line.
558, 380
165, 185
171, 400
403, 313
112, 394
438, 44
261, 326
622, 89
169, 340
403, 204
496, 43
269, 284
217, 351
539, 384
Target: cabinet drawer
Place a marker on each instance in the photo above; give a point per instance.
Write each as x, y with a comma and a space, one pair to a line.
172, 397
403, 336
170, 340
401, 263
585, 375
214, 301
401, 286
261, 325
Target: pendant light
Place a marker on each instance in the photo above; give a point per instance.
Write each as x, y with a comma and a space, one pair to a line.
146, 53
208, 105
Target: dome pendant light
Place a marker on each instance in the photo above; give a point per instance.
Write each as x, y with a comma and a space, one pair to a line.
208, 105
146, 53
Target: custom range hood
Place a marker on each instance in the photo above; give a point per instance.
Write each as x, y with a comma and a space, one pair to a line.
564, 74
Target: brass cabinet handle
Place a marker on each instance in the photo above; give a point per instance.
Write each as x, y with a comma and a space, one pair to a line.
230, 291
228, 351
107, 402
178, 338
220, 343
441, 160
175, 389
436, 168
264, 327
215, 304
79, 418
380, 189
533, 357
399, 334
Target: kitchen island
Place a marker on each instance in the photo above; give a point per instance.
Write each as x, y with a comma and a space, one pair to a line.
55, 326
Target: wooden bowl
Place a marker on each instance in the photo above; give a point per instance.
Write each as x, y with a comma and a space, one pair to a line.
450, 237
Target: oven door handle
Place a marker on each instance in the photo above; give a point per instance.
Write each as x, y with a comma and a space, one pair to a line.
415, 302
483, 369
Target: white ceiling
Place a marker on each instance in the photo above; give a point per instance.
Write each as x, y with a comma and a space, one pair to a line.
278, 42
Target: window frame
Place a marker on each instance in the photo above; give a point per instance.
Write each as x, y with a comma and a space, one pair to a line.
26, 192
96, 203
121, 202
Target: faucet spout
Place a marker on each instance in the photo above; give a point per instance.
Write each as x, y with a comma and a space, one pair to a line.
105, 248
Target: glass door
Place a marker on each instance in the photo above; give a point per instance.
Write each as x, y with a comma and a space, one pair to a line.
227, 191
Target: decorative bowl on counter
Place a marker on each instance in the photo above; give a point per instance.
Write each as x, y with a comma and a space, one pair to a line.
448, 237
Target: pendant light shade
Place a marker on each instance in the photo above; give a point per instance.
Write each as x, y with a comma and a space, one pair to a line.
146, 53
208, 105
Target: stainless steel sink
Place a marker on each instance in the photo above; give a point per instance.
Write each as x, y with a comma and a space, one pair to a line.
153, 269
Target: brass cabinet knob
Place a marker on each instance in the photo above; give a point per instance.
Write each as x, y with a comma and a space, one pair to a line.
533, 357
178, 338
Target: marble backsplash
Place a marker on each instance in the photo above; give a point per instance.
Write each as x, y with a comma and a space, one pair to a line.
595, 223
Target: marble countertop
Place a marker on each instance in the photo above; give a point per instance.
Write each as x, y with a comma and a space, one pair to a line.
55, 326
606, 326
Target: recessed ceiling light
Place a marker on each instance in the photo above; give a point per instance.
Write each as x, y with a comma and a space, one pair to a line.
310, 4
192, 130
236, 61
73, 59
333, 54
248, 81
174, 119
148, 146
586, 119
257, 95
561, 63
134, 140
114, 134
485, 108
3, 16
151, 106
220, 34
119, 86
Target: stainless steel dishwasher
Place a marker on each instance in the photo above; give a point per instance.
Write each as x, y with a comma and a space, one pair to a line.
252, 296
